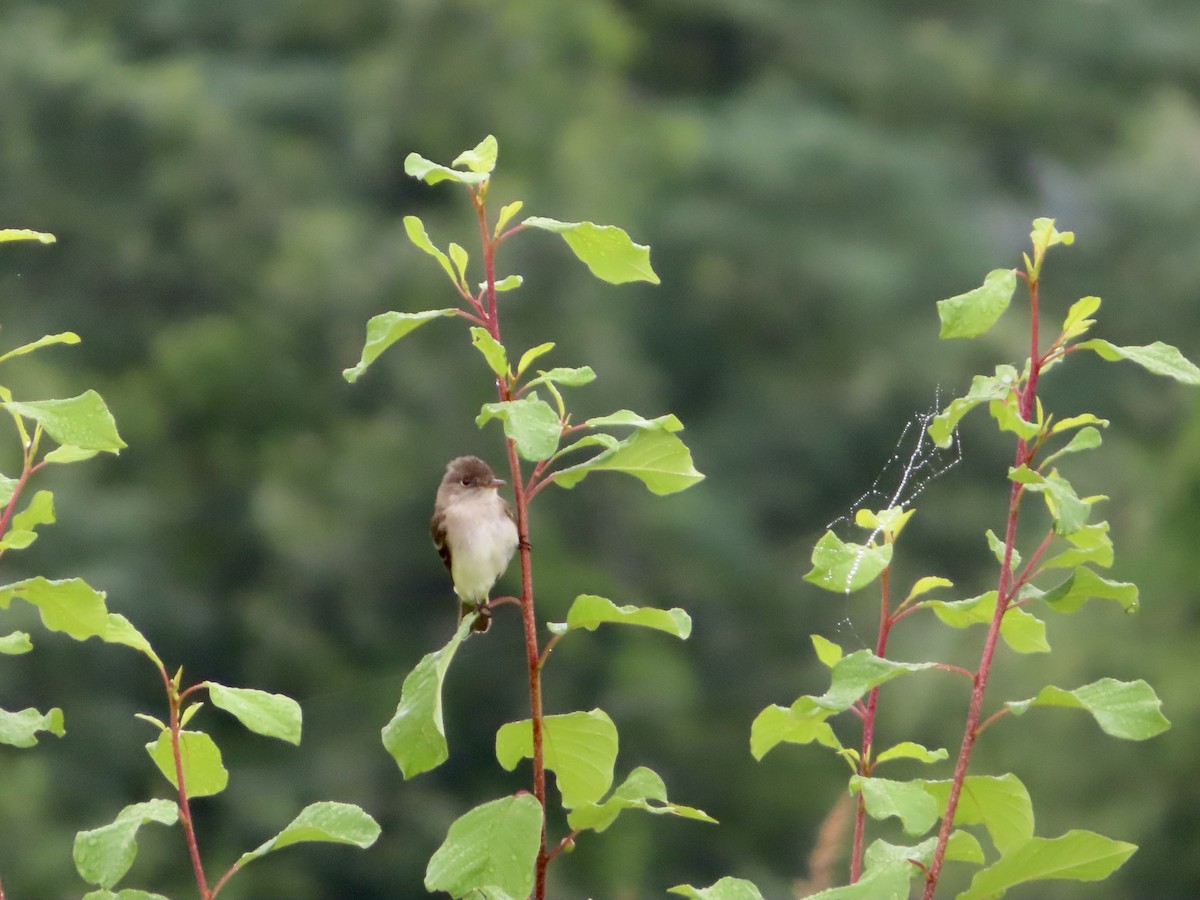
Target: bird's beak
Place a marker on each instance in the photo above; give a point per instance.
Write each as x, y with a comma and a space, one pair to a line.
496, 482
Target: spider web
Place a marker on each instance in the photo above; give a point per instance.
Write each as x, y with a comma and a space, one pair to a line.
915, 463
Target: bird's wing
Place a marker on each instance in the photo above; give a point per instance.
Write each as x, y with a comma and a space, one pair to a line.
437, 527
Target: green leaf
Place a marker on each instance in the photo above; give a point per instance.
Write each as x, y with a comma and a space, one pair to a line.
1068, 510
1124, 709
459, 257
605, 249
103, 855
506, 214
827, 651
415, 229
971, 314
984, 389
15, 644
997, 547
911, 750
1076, 855
480, 159
843, 568
927, 584
416, 736
123, 894
203, 772
801, 723
1091, 545
1084, 439
71, 606
507, 283
83, 422
532, 354
906, 800
24, 234
589, 612
384, 330
962, 846
20, 729
119, 630
567, 377
1084, 585
492, 350
725, 889
667, 422
326, 822
21, 534
67, 454
654, 456
885, 882
579, 747
1159, 358
1077, 321
494, 846
1000, 803
418, 166
530, 422
66, 337
1022, 631
1008, 418
643, 790
272, 715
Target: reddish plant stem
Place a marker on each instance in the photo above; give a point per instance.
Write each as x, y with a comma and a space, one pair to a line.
868, 735
174, 701
1005, 592
504, 389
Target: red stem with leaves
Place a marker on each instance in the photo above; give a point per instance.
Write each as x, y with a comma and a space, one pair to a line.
1006, 591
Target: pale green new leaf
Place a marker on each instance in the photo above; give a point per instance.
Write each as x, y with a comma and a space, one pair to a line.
1076, 855
415, 229
1084, 585
21, 534
926, 584
416, 735
506, 213
911, 750
83, 422
579, 747
25, 234
1000, 803
507, 283
643, 790
384, 330
1087, 438
908, 801
481, 158
654, 456
726, 889
589, 612
984, 389
1077, 321
801, 723
20, 729
272, 715
1022, 631
530, 422
459, 257
71, 606
566, 376
119, 630
842, 567
827, 651
66, 337
203, 772
1159, 358
1091, 544
493, 847
605, 249
971, 314
15, 644
1008, 418
431, 173
103, 855
493, 351
530, 355
1124, 709
327, 822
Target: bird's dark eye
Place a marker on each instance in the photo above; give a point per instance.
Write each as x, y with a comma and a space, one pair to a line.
466, 482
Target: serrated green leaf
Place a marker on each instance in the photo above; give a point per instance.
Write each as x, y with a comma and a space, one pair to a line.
103, 855
530, 422
272, 715
416, 735
71, 606
605, 249
20, 729
533, 353
326, 822
66, 337
203, 772
481, 158
725, 889
906, 800
493, 351
384, 330
844, 568
984, 389
1159, 358
1000, 804
643, 790
1084, 585
83, 422
579, 747
1077, 321
1076, 855
911, 750
418, 166
1124, 709
493, 846
971, 314
589, 612
654, 456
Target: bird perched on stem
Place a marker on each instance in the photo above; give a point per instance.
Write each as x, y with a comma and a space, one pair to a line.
474, 531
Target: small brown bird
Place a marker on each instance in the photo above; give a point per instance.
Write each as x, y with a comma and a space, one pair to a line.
474, 531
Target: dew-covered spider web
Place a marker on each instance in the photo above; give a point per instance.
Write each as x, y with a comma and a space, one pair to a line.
915, 463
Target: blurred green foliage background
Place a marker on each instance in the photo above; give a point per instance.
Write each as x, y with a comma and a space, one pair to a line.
225, 179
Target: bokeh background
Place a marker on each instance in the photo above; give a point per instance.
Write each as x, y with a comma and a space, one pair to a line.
226, 182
